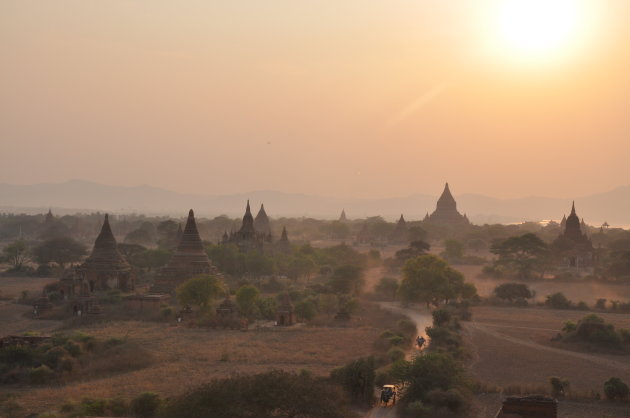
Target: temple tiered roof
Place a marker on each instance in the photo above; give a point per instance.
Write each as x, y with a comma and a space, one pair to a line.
105, 255
446, 211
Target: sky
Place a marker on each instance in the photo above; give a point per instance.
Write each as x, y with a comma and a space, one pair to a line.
359, 98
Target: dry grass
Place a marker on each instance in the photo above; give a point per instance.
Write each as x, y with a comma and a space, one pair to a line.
499, 358
185, 358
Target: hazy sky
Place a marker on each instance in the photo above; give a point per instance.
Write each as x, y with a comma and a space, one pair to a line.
355, 97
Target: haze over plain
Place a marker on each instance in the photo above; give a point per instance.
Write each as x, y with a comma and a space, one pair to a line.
355, 99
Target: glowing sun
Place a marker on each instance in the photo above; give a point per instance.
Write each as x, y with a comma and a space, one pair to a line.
538, 29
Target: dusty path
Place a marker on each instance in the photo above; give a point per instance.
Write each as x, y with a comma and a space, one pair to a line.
422, 319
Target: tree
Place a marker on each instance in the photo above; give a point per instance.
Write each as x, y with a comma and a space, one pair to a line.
199, 290
306, 309
453, 250
357, 378
153, 258
429, 279
512, 291
522, 254
246, 297
60, 251
415, 249
16, 254
347, 279
387, 287
426, 373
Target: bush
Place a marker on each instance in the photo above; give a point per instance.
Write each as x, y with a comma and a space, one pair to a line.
395, 354
441, 317
451, 399
118, 407
512, 291
615, 388
40, 375
558, 301
558, 386
146, 405
53, 357
276, 393
406, 327
569, 326
73, 348
93, 407
357, 378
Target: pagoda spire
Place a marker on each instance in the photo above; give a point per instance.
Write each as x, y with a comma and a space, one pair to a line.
105, 238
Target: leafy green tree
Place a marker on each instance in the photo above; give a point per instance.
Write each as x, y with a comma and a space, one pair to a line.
16, 254
246, 298
522, 254
429, 279
199, 290
60, 251
417, 233
152, 258
347, 279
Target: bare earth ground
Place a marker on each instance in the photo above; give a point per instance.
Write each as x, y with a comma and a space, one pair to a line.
587, 291
511, 347
11, 287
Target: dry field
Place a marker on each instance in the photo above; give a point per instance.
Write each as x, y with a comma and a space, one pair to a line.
11, 287
186, 358
511, 346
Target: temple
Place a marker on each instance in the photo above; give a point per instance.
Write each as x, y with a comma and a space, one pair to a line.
190, 260
446, 211
342, 217
573, 246
283, 243
400, 234
261, 222
106, 268
248, 238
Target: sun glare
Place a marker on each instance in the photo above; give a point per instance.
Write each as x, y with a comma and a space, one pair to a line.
535, 30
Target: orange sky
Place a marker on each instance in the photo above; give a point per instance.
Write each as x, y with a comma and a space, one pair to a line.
360, 98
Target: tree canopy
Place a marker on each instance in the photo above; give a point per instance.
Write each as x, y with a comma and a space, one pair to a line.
429, 279
199, 290
522, 254
59, 250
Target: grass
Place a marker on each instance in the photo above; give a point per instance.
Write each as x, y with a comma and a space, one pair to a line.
184, 358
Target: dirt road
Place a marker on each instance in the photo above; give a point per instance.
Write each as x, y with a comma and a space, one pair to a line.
422, 317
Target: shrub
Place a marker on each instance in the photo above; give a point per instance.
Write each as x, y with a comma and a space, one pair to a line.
396, 354
600, 304
512, 291
406, 327
276, 393
40, 375
451, 399
93, 407
558, 386
582, 306
73, 348
17, 355
441, 317
569, 326
53, 357
615, 388
558, 301
118, 407
306, 309
357, 378
146, 405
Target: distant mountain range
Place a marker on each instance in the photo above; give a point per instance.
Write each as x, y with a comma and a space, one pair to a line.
83, 196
